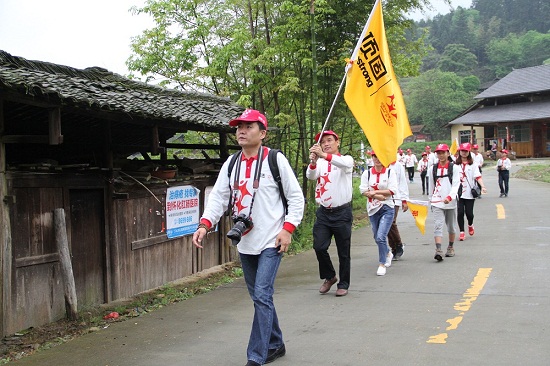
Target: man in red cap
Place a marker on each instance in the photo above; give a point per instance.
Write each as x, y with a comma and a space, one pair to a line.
400, 157
444, 185
478, 157
410, 161
264, 234
333, 173
432, 160
503, 167
423, 169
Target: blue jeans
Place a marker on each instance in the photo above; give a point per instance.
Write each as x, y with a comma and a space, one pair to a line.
381, 223
259, 274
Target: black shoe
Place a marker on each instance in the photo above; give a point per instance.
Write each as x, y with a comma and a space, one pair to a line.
398, 252
252, 363
274, 354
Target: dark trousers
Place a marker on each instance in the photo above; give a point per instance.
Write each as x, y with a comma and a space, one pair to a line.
394, 238
465, 206
411, 173
424, 178
503, 178
338, 224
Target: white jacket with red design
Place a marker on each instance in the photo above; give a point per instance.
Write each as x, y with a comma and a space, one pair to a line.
268, 214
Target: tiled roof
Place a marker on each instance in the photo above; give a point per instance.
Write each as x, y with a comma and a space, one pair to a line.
506, 113
521, 81
99, 89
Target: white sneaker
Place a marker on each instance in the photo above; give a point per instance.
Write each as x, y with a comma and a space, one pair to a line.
389, 258
381, 271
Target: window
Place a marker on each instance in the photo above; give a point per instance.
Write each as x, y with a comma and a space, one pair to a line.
518, 133
464, 136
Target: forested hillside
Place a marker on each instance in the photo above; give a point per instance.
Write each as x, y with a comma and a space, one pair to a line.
471, 48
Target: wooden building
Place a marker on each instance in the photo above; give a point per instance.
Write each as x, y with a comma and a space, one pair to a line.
514, 113
65, 138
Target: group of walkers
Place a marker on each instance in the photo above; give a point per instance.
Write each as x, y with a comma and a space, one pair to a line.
261, 179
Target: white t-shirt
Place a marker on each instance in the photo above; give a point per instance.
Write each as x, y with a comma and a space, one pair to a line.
468, 175
373, 180
443, 188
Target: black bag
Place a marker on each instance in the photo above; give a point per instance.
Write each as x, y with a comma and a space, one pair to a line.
476, 191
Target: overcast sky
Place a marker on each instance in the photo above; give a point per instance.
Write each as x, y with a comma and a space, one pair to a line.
82, 33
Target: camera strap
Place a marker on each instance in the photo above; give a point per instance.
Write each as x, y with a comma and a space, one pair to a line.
255, 184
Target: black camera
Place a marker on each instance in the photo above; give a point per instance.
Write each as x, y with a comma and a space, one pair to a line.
240, 224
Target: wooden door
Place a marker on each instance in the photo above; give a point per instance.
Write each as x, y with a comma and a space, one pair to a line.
88, 246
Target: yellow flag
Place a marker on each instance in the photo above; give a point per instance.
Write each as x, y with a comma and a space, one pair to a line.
454, 147
419, 210
372, 92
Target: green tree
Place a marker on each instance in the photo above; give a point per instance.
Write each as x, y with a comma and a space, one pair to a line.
504, 54
458, 59
435, 98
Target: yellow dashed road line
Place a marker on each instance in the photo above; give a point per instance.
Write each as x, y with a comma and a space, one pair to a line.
501, 214
464, 305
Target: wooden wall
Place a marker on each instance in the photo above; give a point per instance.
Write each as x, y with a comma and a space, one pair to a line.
36, 293
144, 258
118, 246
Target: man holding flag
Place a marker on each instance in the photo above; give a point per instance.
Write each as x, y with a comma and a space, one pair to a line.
372, 92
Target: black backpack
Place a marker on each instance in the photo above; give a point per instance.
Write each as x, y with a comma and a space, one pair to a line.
273, 166
449, 172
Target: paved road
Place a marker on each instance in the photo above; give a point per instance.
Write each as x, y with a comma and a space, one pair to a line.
489, 305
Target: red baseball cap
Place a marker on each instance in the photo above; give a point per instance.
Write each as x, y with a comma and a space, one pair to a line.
464, 146
427, 147
408, 150
327, 132
249, 115
504, 151
424, 154
475, 146
442, 147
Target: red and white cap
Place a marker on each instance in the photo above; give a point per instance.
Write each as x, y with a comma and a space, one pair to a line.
464, 146
327, 132
249, 115
504, 151
442, 147
475, 146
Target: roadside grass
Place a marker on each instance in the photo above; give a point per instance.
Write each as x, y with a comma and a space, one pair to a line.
535, 171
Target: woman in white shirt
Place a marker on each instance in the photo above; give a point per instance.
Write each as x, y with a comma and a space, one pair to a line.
379, 185
470, 176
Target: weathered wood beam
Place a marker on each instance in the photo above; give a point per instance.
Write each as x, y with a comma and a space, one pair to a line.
25, 139
54, 120
155, 143
37, 259
65, 263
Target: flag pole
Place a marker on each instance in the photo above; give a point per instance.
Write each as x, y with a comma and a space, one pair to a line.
348, 66
331, 110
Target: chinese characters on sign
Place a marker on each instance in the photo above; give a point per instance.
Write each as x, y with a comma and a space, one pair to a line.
182, 211
370, 54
